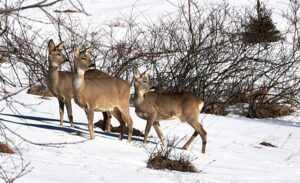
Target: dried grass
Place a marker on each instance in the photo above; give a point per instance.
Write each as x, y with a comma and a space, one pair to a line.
163, 157
4, 148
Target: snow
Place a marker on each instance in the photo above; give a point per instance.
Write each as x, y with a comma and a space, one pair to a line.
233, 151
104, 13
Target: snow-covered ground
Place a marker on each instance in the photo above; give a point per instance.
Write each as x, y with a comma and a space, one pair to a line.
233, 150
102, 13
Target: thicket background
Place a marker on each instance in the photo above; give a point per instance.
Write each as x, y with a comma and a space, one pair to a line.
231, 58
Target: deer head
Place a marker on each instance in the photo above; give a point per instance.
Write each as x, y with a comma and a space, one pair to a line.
142, 82
56, 58
82, 60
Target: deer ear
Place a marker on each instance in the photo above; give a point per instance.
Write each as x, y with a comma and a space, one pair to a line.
147, 77
88, 52
51, 45
76, 52
60, 46
136, 73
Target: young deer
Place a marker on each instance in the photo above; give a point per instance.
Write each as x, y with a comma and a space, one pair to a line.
100, 94
155, 106
60, 82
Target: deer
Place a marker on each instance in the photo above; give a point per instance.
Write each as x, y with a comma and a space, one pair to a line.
60, 82
154, 106
100, 94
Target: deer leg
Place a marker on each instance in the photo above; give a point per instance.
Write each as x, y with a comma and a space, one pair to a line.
69, 111
148, 127
90, 116
121, 130
189, 142
117, 114
126, 118
200, 130
107, 121
159, 132
61, 112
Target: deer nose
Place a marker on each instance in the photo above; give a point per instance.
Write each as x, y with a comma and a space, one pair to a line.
92, 65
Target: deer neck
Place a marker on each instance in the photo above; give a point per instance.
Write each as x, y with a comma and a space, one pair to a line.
53, 78
138, 97
78, 82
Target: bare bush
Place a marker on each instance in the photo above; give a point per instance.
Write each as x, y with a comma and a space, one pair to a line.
202, 50
12, 164
21, 53
164, 157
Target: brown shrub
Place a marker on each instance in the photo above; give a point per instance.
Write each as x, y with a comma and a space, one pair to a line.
2, 60
217, 109
258, 105
240, 98
39, 90
164, 158
261, 110
161, 162
272, 110
4, 148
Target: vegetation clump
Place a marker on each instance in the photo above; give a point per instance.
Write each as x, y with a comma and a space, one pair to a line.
163, 157
260, 27
4, 148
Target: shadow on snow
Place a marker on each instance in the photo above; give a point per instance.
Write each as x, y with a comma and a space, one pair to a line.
76, 130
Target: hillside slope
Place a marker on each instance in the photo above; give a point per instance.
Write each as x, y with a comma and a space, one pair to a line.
233, 154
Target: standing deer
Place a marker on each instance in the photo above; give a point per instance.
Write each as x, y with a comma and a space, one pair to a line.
60, 82
100, 94
155, 106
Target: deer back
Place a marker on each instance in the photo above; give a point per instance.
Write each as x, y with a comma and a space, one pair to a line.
103, 93
170, 105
